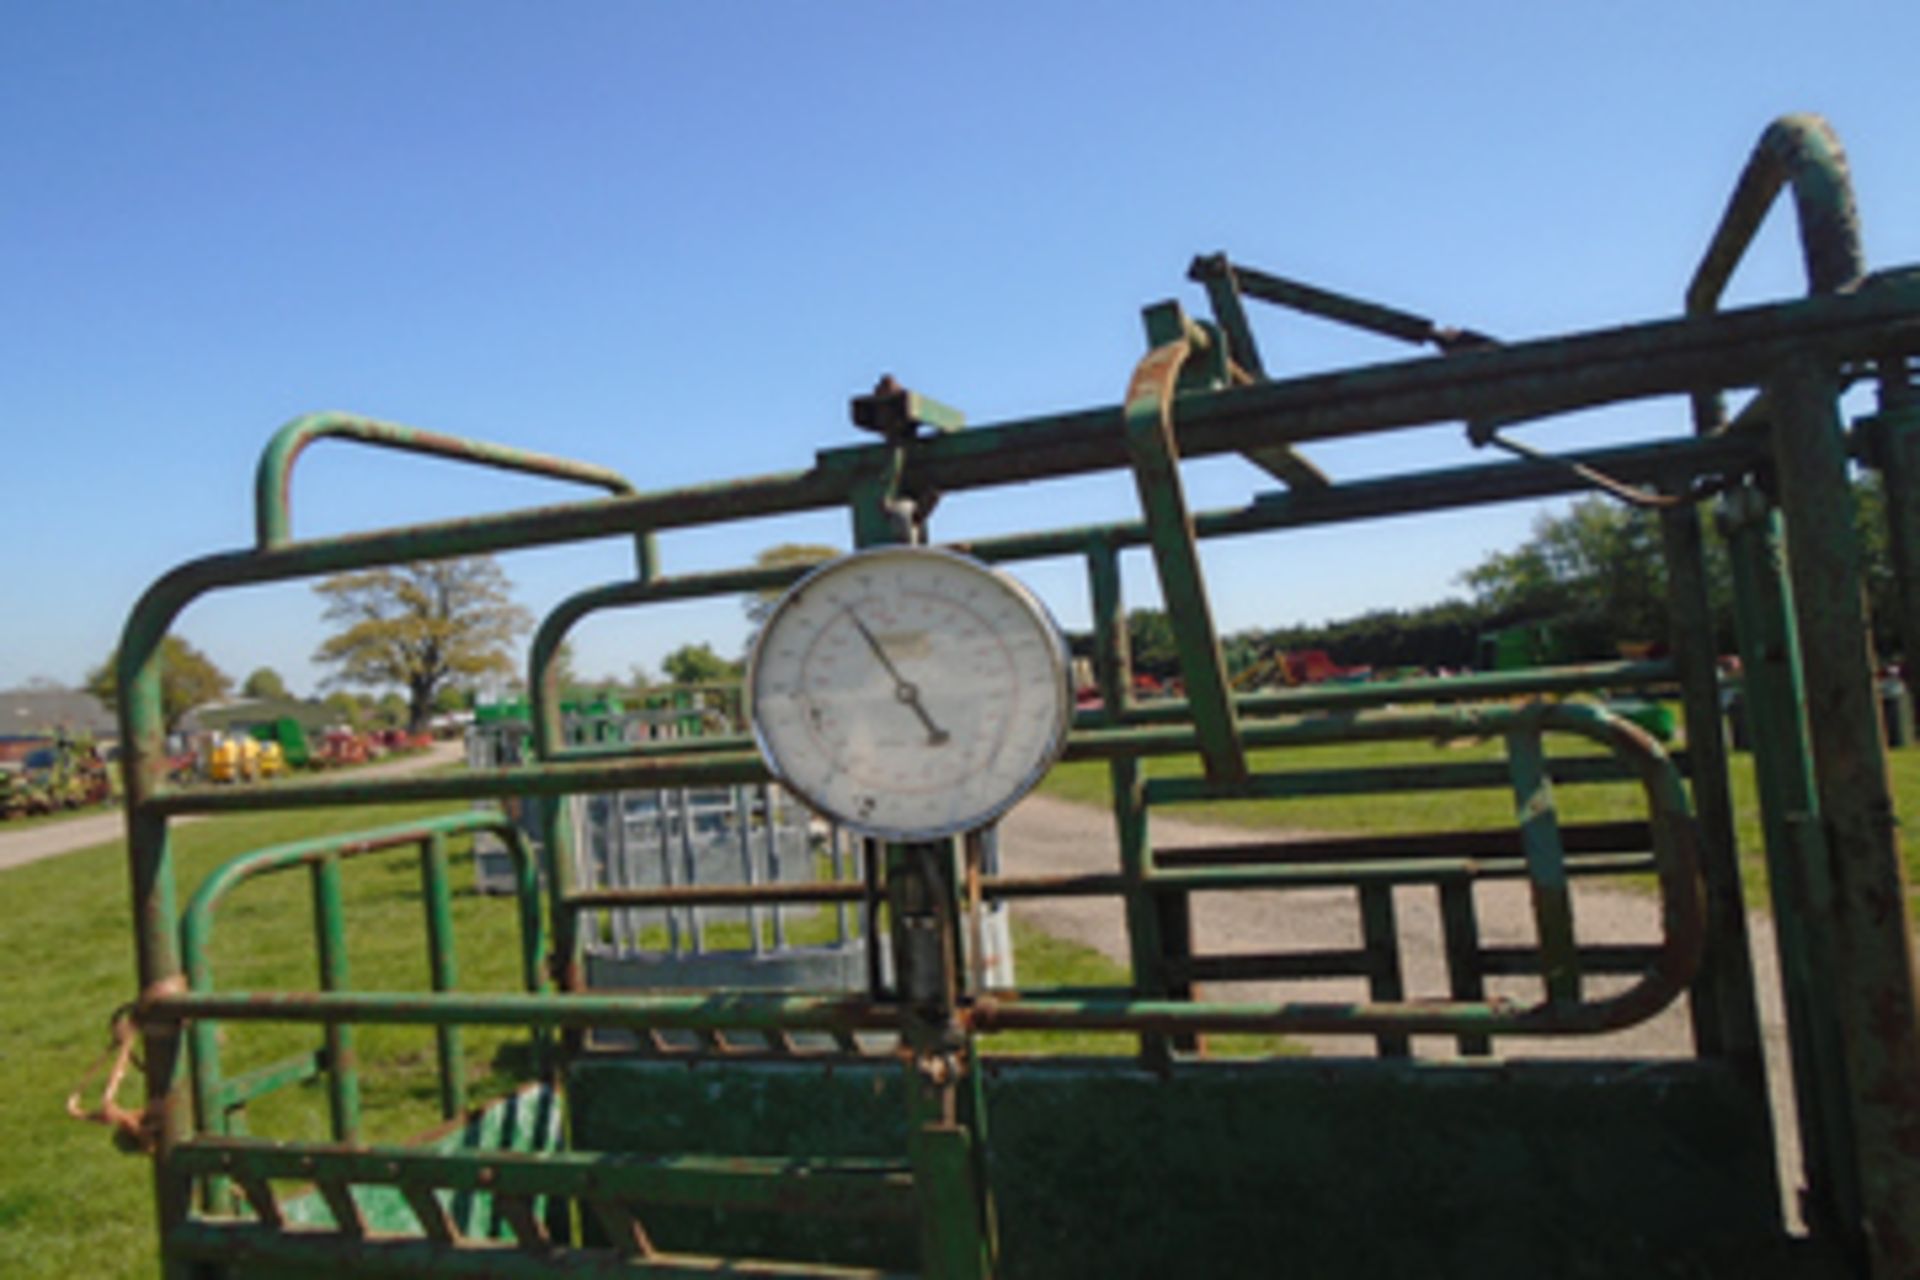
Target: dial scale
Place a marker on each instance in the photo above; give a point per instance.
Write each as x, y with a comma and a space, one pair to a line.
909, 692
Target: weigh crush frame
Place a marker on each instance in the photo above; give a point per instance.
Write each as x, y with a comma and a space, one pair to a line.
1831, 839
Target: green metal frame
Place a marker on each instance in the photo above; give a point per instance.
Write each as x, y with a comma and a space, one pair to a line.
1202, 390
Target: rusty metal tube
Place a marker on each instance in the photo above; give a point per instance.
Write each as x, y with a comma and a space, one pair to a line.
1801, 151
273, 478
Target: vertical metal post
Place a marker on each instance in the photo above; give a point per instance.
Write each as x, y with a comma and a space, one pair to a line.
443, 971
1173, 924
956, 1222
1460, 933
690, 866
1894, 434
1546, 865
156, 938
667, 878
1873, 934
329, 928
1726, 1022
773, 807
837, 858
1112, 648
204, 1039
743, 815
1381, 933
1146, 948
1773, 698
625, 924
533, 934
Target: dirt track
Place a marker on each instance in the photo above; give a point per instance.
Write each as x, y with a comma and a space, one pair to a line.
1048, 835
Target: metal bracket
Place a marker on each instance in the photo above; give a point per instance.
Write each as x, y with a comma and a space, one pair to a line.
887, 509
1156, 470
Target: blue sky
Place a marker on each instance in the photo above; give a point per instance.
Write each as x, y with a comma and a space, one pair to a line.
675, 239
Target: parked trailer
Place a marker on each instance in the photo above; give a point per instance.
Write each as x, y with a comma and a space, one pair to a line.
722, 1143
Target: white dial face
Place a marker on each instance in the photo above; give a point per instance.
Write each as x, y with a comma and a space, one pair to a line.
909, 693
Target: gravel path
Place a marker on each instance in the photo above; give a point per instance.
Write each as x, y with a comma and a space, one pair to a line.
17, 848
1047, 835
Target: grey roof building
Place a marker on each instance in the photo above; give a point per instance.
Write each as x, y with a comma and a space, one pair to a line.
41, 713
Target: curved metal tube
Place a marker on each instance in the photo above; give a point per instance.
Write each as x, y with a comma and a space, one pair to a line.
1675, 962
273, 479
1801, 151
196, 922
196, 931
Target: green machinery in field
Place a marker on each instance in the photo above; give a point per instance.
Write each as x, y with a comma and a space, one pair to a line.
1496, 1127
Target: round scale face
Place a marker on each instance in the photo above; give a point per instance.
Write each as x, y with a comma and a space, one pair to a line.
908, 692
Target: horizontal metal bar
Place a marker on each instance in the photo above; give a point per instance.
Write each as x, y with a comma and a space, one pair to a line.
1434, 1017
1593, 958
267, 1249
1483, 687
1040, 886
1672, 462
1381, 779
540, 780
848, 1188
716, 1012
1398, 871
237, 1091
1188, 873
1585, 837
1272, 966
714, 895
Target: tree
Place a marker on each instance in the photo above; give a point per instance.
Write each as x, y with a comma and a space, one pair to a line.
188, 679
392, 711
419, 627
1598, 572
1150, 640
698, 664
564, 675
348, 707
265, 683
760, 603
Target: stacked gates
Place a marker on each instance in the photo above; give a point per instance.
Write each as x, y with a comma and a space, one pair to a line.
830, 1132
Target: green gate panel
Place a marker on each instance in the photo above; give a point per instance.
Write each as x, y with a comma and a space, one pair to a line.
743, 1109
531, 1119
1310, 1168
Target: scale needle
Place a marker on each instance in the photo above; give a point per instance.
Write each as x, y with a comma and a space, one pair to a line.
903, 689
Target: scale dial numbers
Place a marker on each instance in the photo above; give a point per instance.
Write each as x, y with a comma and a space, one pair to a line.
909, 692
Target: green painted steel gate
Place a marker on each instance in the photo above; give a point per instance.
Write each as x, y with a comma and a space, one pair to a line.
753, 1132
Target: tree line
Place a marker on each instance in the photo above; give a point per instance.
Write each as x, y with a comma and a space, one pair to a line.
1594, 576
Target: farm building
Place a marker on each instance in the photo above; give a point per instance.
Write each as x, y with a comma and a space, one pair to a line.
33, 718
